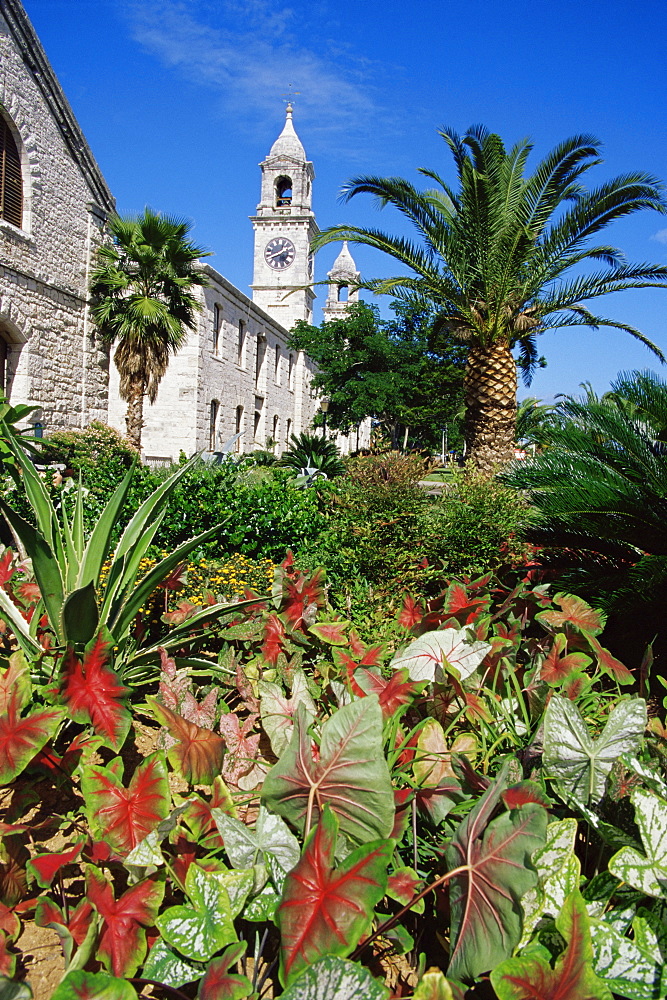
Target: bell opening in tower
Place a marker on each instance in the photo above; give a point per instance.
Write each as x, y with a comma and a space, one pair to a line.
283, 192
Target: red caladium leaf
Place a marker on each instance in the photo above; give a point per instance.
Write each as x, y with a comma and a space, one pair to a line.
6, 569
78, 985
492, 858
72, 929
325, 910
93, 693
244, 688
58, 766
344, 661
572, 977
122, 942
575, 613
7, 958
199, 818
218, 983
403, 885
411, 613
198, 752
393, 693
184, 610
177, 579
124, 816
609, 663
272, 644
302, 593
45, 867
332, 633
460, 605
9, 922
21, 739
523, 792
557, 667
29, 591
402, 803
373, 656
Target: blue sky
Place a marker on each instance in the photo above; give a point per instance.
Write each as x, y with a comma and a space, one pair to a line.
181, 99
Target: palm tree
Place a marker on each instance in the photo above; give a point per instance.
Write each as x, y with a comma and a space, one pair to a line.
142, 301
499, 258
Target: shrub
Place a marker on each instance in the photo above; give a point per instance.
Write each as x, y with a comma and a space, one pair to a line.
88, 451
310, 451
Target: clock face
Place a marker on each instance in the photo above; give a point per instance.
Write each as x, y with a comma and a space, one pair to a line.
279, 253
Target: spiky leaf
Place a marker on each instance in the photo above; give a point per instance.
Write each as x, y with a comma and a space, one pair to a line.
495, 855
579, 764
325, 910
351, 774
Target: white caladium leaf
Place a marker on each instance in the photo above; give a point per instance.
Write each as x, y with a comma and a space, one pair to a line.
271, 838
423, 658
278, 710
203, 928
558, 872
631, 968
333, 978
646, 872
165, 966
579, 764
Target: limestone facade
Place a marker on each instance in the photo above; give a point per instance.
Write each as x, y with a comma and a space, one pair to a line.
49, 354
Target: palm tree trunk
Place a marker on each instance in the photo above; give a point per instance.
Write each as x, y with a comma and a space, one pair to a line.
134, 418
490, 397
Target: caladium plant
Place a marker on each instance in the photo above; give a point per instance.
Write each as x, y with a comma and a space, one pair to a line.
349, 773
325, 910
124, 815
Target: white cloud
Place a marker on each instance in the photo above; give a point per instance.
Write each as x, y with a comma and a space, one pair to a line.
660, 236
250, 52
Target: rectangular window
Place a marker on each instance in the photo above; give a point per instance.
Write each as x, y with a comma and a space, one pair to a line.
240, 359
259, 357
213, 425
239, 426
290, 373
217, 328
276, 370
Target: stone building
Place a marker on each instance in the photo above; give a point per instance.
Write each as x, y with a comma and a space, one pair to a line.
235, 380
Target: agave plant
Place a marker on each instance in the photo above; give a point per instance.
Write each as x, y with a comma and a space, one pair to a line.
79, 599
310, 451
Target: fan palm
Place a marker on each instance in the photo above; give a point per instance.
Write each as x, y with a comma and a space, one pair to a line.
142, 299
500, 259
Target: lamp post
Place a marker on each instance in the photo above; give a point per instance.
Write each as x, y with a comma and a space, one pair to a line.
324, 406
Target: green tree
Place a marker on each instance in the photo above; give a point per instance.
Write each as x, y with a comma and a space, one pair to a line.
142, 298
500, 259
386, 370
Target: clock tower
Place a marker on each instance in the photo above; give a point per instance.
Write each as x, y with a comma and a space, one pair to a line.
284, 226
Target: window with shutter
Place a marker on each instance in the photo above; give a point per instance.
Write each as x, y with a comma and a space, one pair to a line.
11, 182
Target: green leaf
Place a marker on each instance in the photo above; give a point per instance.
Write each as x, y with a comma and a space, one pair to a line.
647, 873
580, 765
494, 858
11, 990
571, 978
198, 931
270, 842
164, 966
633, 968
351, 774
80, 616
434, 986
326, 910
80, 985
333, 978
19, 626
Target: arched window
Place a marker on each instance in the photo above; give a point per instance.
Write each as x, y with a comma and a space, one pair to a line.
290, 372
239, 426
283, 192
276, 370
213, 425
342, 293
3, 364
288, 431
275, 434
241, 344
217, 328
11, 182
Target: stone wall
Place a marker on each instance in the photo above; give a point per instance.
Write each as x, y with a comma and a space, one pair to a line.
53, 358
